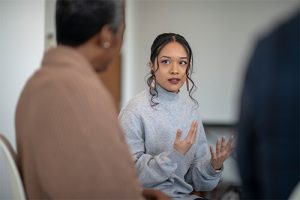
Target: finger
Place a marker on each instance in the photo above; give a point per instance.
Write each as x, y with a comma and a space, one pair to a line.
229, 144
178, 135
222, 144
191, 131
232, 144
228, 154
195, 133
230, 141
218, 147
213, 156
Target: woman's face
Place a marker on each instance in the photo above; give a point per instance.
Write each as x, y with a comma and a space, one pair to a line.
173, 63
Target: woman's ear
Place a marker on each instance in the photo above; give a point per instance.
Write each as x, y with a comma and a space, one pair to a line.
105, 37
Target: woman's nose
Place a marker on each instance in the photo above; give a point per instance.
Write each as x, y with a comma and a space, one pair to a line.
174, 69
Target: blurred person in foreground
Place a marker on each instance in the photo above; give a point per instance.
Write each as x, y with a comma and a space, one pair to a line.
268, 141
69, 142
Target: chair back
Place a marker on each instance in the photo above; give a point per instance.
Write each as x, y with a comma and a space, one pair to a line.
11, 186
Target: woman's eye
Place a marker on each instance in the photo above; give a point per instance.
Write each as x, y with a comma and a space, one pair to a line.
165, 61
183, 62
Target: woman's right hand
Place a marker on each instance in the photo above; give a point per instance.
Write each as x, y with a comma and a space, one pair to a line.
183, 146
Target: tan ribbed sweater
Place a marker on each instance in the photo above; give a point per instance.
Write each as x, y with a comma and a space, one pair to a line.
69, 142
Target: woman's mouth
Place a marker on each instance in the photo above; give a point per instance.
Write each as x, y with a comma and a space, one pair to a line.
174, 80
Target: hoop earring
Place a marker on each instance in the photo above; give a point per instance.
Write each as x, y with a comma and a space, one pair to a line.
106, 45
153, 84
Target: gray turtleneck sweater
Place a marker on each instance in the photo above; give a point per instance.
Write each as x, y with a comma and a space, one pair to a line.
150, 133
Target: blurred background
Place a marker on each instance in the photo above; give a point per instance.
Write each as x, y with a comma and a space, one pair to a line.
222, 34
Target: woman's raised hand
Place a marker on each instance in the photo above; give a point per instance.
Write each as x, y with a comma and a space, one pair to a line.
183, 146
223, 151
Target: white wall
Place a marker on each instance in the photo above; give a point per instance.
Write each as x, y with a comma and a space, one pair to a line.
128, 63
221, 34
21, 49
50, 24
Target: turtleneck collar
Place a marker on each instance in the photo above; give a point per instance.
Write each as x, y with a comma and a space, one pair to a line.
164, 95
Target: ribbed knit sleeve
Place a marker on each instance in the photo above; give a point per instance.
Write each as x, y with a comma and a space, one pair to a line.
152, 169
201, 174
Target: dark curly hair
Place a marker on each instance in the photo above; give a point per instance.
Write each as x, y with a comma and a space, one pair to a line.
157, 45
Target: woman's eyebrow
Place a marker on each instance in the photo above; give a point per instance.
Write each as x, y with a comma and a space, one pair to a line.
165, 57
170, 57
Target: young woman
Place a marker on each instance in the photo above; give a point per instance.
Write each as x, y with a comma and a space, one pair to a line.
165, 132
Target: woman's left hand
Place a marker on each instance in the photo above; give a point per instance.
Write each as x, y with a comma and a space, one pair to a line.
223, 151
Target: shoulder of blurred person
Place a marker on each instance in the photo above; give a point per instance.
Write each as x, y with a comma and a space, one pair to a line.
69, 142
268, 139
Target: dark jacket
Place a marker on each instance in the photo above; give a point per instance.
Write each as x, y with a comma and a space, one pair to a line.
268, 142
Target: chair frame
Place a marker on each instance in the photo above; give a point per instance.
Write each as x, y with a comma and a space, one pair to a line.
11, 157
